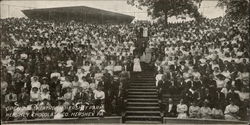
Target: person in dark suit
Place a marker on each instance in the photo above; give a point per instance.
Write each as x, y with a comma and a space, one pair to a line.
190, 95
23, 96
226, 65
243, 65
170, 109
219, 98
233, 96
107, 79
80, 95
11, 98
205, 95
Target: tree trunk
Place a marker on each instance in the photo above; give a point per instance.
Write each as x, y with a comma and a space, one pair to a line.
166, 18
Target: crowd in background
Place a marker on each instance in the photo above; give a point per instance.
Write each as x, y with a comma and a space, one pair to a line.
64, 65
207, 65
48, 64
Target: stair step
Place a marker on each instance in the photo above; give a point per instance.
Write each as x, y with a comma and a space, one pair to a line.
143, 112
143, 108
142, 87
142, 84
145, 77
148, 117
142, 122
147, 72
150, 73
143, 103
143, 81
142, 96
142, 99
142, 93
142, 90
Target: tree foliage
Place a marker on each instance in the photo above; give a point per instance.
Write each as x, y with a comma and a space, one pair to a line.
169, 8
235, 9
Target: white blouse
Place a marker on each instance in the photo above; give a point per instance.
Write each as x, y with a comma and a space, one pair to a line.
99, 94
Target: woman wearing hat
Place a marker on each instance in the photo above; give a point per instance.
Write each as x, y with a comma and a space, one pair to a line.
220, 81
44, 84
45, 94
35, 82
35, 95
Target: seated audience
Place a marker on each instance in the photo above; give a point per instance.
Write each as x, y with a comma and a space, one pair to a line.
206, 111
217, 112
182, 110
170, 110
194, 110
231, 111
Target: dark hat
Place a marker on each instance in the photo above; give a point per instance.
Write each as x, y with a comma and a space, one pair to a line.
34, 88
182, 62
45, 100
221, 76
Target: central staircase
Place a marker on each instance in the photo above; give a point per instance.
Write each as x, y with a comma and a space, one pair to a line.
142, 103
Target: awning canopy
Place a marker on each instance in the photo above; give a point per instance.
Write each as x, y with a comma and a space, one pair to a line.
78, 13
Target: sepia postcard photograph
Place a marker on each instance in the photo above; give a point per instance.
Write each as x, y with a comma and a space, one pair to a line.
170, 62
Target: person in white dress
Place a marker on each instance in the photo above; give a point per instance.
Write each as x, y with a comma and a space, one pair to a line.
206, 111
231, 111
75, 86
59, 110
158, 77
182, 110
194, 110
137, 65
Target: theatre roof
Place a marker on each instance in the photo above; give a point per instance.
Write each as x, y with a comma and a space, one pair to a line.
78, 13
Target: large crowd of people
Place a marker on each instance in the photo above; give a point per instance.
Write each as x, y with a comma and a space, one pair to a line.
48, 67
64, 65
207, 65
